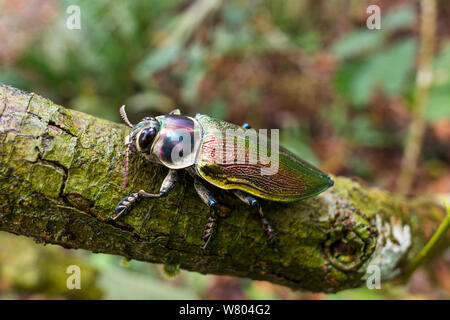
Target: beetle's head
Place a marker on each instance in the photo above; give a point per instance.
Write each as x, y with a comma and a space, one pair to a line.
141, 138
144, 134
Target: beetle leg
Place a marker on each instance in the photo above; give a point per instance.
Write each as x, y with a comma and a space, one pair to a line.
254, 203
209, 200
128, 203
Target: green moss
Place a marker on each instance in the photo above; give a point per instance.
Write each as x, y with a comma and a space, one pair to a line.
109, 194
43, 108
62, 118
25, 148
85, 183
171, 270
58, 146
32, 126
47, 179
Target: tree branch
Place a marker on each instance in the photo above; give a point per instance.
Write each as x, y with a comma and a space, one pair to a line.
60, 180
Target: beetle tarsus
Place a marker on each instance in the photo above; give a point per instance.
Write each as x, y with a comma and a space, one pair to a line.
210, 228
272, 238
125, 205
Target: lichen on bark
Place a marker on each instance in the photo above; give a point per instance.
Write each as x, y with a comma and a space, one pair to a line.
60, 180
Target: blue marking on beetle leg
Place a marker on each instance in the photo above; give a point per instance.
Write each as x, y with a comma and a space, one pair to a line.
212, 202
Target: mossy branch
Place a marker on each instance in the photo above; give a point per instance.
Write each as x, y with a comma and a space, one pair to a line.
60, 180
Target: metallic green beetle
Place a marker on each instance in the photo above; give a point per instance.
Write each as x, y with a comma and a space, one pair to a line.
206, 156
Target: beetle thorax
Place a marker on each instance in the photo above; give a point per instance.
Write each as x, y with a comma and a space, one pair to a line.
178, 141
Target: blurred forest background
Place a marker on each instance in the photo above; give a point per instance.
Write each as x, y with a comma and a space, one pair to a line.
340, 93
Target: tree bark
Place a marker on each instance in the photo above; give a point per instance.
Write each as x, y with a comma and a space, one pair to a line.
60, 180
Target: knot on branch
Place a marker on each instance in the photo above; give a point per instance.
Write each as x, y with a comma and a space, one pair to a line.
352, 238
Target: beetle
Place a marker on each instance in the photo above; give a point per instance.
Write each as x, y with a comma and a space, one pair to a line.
159, 140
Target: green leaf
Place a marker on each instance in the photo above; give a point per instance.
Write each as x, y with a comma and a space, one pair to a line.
398, 18
442, 65
438, 107
158, 60
387, 70
357, 42
398, 61
364, 80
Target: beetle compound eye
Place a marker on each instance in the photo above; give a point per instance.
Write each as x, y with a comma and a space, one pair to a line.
146, 138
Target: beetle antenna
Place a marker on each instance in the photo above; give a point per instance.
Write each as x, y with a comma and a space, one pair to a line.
123, 114
125, 167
